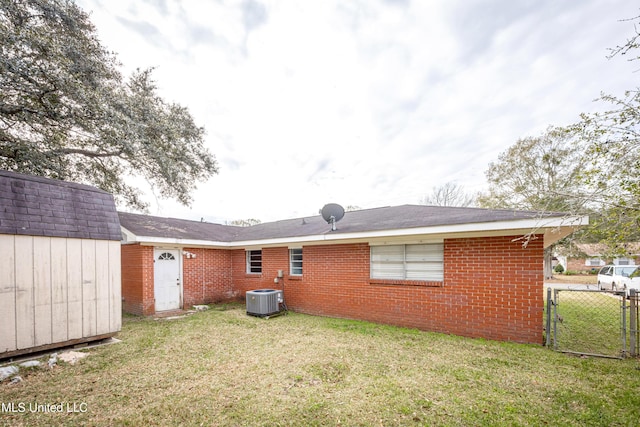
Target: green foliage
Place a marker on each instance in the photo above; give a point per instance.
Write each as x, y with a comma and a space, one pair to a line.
558, 268
67, 113
589, 168
612, 173
537, 173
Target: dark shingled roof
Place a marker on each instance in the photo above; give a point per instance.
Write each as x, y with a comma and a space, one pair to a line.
36, 206
154, 226
387, 218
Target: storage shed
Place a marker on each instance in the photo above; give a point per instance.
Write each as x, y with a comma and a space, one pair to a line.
59, 264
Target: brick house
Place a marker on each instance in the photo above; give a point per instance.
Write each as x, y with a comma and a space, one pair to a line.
588, 257
462, 271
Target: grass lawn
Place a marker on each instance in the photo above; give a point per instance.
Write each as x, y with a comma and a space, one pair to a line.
222, 367
586, 279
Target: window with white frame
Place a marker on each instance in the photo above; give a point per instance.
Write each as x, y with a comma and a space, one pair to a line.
594, 262
254, 261
408, 262
295, 262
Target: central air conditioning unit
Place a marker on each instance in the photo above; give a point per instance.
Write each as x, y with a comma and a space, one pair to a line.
264, 302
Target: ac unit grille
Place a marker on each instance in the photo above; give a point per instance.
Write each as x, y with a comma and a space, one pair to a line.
263, 302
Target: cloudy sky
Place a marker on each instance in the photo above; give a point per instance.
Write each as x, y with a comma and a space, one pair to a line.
364, 103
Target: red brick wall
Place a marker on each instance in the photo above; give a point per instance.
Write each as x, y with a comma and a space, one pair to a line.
500, 285
493, 288
137, 279
207, 277
273, 259
579, 265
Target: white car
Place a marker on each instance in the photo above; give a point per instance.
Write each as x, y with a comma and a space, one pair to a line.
616, 277
634, 282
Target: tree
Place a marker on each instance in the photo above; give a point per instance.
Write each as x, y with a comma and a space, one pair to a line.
67, 113
613, 173
538, 173
449, 194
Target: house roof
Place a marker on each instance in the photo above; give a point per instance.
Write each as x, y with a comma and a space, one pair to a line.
387, 218
36, 206
388, 221
154, 226
599, 249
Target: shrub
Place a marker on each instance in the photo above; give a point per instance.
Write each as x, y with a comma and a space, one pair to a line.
558, 268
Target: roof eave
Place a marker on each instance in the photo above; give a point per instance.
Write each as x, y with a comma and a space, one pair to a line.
553, 229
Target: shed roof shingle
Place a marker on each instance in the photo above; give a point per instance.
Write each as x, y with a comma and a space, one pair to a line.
37, 206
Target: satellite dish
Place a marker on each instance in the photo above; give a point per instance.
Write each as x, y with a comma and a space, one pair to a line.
332, 213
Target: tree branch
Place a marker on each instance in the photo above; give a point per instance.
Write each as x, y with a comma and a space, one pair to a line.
88, 153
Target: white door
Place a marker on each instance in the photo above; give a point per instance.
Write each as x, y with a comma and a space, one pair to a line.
167, 279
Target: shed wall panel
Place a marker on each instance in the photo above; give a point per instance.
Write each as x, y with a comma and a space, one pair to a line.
89, 319
7, 294
42, 290
115, 291
74, 289
54, 290
59, 292
102, 264
24, 292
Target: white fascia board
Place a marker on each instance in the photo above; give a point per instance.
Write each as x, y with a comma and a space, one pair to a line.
168, 241
127, 236
534, 226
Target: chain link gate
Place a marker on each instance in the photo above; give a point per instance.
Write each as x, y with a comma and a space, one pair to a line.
593, 322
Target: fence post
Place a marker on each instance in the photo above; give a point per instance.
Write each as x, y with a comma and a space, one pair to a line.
548, 327
623, 325
555, 319
633, 322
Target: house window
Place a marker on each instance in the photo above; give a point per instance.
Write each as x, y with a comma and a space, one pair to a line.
166, 256
594, 262
295, 262
408, 262
254, 262
622, 261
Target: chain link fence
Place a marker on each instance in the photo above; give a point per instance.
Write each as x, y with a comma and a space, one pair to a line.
598, 323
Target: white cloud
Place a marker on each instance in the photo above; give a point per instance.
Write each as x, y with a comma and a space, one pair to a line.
363, 103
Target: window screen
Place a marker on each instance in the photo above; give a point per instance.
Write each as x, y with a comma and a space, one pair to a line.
408, 262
